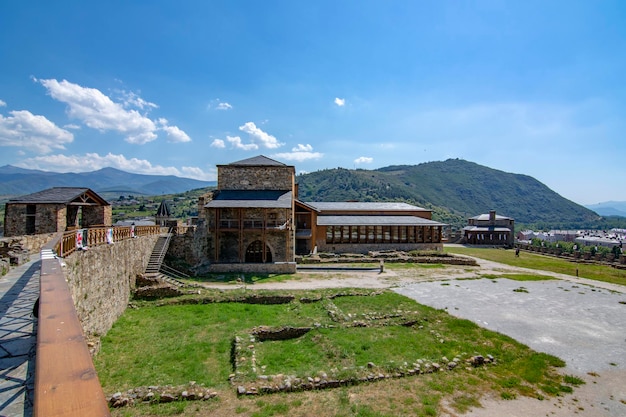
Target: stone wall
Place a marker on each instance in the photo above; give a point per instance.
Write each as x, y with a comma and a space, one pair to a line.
101, 278
255, 177
368, 247
267, 268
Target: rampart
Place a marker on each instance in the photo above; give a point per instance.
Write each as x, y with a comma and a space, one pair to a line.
100, 280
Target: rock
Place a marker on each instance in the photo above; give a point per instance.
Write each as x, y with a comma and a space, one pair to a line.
452, 365
241, 390
167, 398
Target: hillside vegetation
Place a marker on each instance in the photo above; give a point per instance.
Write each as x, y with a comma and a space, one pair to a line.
455, 189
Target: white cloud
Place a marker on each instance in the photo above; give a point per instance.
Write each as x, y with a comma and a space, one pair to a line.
223, 106
266, 140
130, 99
218, 143
364, 160
71, 126
175, 134
299, 153
94, 161
98, 111
3, 103
236, 142
36, 133
302, 148
340, 101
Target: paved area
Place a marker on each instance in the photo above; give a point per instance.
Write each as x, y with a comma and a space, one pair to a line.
19, 290
582, 324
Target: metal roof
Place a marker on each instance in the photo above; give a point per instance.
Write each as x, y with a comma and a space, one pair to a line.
60, 195
363, 206
251, 199
375, 221
259, 160
486, 229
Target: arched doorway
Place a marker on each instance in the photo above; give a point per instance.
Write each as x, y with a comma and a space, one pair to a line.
254, 252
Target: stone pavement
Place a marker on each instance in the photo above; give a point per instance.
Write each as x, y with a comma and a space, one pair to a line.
19, 290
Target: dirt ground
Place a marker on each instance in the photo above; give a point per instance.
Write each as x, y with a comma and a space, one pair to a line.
603, 394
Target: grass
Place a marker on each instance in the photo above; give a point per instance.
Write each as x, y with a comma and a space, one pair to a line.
519, 277
544, 263
174, 344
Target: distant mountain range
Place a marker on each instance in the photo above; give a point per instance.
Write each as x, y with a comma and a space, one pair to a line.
454, 190
609, 208
19, 181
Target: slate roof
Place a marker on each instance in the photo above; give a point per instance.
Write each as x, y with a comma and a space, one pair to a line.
251, 199
375, 221
363, 206
58, 195
164, 210
259, 160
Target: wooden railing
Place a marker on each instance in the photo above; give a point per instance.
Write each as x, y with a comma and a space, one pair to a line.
102, 235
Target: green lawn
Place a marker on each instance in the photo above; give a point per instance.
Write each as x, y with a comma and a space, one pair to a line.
175, 344
544, 263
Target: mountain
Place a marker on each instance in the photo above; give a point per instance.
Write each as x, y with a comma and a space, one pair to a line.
609, 208
19, 181
455, 189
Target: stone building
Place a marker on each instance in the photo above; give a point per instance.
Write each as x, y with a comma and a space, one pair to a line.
55, 210
254, 221
249, 218
490, 229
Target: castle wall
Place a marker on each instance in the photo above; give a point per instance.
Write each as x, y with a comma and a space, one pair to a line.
101, 279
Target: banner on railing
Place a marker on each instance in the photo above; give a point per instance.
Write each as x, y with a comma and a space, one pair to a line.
80, 239
110, 236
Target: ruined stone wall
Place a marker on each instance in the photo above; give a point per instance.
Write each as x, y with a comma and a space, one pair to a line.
256, 178
368, 247
101, 278
275, 268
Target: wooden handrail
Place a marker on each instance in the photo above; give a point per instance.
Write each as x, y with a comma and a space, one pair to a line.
96, 236
66, 382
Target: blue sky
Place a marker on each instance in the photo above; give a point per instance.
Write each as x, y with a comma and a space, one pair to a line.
176, 87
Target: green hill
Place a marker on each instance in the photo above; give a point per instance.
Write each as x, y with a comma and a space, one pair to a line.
455, 189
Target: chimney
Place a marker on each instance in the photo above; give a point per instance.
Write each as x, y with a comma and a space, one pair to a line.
492, 216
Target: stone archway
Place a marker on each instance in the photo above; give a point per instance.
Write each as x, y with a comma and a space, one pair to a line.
254, 253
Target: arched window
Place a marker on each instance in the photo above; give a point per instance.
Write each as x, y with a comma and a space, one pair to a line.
254, 252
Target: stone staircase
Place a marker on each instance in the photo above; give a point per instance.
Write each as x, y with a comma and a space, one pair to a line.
156, 268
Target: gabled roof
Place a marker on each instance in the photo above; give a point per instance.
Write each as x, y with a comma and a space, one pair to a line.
62, 195
251, 199
259, 160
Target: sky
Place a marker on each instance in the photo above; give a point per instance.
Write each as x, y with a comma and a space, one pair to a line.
177, 87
